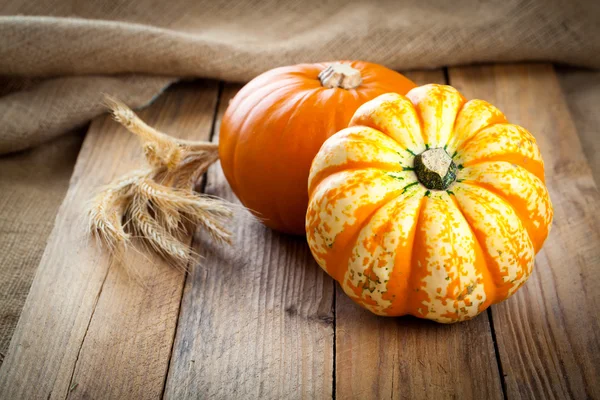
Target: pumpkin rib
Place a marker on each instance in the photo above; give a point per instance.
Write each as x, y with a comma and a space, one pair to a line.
378, 144
345, 141
255, 106
406, 120
522, 189
421, 126
519, 155
440, 99
418, 217
351, 166
458, 111
458, 301
480, 250
297, 107
503, 291
534, 167
525, 220
249, 90
459, 267
468, 140
347, 251
392, 294
496, 117
249, 113
459, 145
328, 196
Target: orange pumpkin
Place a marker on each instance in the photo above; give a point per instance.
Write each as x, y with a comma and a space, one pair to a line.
275, 125
429, 205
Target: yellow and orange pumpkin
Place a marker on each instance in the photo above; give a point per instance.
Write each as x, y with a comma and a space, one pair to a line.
429, 205
275, 125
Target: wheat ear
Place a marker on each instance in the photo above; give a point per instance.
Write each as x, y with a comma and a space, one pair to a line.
159, 205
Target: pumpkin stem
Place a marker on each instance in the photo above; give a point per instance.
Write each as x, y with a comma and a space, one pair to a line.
339, 75
435, 169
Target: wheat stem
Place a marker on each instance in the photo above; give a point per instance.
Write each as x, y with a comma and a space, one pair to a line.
158, 204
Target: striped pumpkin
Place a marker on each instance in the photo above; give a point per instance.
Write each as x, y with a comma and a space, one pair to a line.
428, 205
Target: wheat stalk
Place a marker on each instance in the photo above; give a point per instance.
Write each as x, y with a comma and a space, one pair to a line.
107, 208
158, 205
155, 235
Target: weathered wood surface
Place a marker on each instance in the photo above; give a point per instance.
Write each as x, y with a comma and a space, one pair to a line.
399, 358
581, 89
549, 332
261, 320
256, 319
87, 331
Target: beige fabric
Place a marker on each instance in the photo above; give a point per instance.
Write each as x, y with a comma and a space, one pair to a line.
58, 57
32, 186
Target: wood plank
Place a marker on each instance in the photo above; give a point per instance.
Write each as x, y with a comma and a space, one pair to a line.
581, 89
548, 332
410, 358
86, 331
256, 319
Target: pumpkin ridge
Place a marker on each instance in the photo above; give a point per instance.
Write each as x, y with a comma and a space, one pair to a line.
524, 219
315, 180
436, 100
502, 290
402, 110
376, 143
459, 144
350, 166
486, 257
453, 130
421, 123
465, 142
347, 250
456, 114
534, 167
297, 106
512, 154
245, 120
247, 91
414, 280
459, 267
418, 216
362, 213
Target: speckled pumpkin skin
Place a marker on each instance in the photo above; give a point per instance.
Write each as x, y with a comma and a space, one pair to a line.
398, 248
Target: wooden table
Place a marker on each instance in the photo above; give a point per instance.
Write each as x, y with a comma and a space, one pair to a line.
261, 320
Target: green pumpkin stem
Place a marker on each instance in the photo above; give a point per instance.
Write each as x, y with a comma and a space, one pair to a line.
435, 169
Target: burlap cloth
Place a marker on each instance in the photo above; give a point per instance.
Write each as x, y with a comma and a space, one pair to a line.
57, 57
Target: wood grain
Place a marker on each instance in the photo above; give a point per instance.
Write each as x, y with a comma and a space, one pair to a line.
87, 331
256, 319
410, 358
548, 332
581, 89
